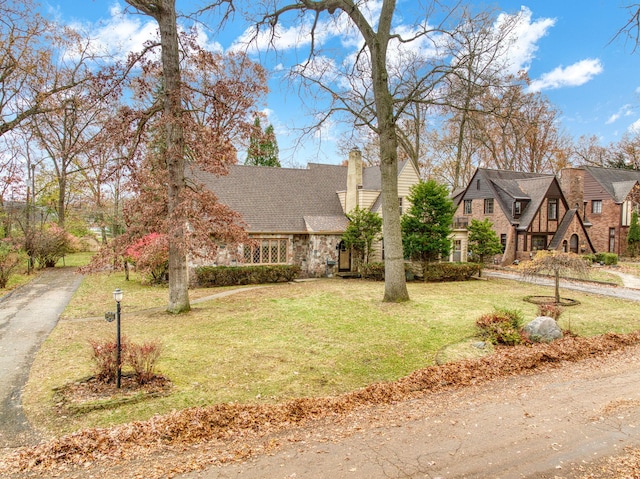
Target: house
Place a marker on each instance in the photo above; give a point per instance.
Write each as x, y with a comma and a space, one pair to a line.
606, 198
529, 212
297, 216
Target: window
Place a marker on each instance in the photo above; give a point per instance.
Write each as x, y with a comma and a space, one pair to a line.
517, 208
503, 241
467, 207
596, 206
553, 209
488, 206
266, 251
538, 242
400, 204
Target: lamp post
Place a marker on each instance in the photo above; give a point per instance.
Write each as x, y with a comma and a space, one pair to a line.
117, 295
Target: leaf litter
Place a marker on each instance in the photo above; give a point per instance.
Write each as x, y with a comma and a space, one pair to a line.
228, 431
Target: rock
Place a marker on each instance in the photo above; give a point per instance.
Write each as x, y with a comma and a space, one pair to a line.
480, 345
543, 329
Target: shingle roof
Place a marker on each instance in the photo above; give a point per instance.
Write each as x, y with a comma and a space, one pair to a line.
617, 182
279, 200
562, 229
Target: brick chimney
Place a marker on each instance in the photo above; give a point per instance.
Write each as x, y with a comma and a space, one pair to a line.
572, 185
354, 179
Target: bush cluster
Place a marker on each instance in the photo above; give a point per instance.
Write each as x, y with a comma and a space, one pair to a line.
374, 271
602, 258
210, 276
502, 326
142, 358
451, 271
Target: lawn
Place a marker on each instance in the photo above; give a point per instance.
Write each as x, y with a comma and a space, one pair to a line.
281, 341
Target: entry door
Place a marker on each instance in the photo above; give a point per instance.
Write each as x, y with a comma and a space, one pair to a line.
612, 240
573, 245
457, 251
344, 257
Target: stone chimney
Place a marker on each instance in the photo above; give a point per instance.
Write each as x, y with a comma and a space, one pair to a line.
354, 179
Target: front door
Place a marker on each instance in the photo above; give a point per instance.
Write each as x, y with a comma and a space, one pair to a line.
344, 257
573, 243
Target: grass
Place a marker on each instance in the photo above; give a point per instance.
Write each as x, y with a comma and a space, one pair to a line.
281, 341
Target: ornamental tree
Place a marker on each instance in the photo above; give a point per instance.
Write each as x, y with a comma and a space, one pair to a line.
483, 240
365, 227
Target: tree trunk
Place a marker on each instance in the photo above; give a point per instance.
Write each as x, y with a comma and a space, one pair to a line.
395, 285
178, 272
557, 286
164, 12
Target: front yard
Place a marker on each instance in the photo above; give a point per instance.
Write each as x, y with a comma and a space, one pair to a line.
282, 341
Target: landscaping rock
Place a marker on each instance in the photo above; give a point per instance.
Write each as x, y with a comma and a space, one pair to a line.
543, 329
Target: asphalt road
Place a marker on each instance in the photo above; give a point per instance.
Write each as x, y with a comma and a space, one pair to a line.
27, 316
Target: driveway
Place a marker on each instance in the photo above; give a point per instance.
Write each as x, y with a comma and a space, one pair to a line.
27, 316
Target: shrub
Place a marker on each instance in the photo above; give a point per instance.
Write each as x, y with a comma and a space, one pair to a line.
451, 271
10, 256
502, 326
51, 244
552, 310
105, 357
608, 259
211, 276
150, 254
143, 359
374, 271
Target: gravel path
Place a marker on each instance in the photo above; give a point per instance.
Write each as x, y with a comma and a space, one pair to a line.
27, 316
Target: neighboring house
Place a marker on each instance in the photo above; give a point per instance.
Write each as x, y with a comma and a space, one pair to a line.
297, 216
606, 197
528, 210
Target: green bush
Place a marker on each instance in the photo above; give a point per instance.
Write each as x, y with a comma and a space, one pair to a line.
502, 326
607, 258
374, 271
589, 258
212, 276
451, 271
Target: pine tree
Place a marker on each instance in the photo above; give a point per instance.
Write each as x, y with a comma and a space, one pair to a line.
483, 240
426, 227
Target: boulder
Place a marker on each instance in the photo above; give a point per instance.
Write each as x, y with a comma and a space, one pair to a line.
543, 329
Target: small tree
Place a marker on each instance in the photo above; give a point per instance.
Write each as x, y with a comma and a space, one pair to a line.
10, 256
263, 146
150, 254
633, 237
426, 226
556, 263
51, 244
365, 227
483, 240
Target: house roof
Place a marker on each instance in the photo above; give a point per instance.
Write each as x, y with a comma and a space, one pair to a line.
562, 229
288, 200
282, 200
617, 182
509, 186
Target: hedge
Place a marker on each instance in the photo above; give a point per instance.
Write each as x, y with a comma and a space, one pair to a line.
211, 276
451, 271
607, 258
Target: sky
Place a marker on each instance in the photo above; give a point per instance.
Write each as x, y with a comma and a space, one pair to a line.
569, 48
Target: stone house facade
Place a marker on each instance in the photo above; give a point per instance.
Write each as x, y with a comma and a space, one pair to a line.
298, 216
529, 212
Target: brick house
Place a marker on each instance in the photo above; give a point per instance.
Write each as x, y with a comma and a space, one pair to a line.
529, 212
606, 198
297, 216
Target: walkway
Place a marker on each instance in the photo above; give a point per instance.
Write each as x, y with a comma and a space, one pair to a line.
27, 316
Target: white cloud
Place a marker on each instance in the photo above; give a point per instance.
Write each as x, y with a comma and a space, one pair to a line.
634, 128
524, 38
625, 110
574, 75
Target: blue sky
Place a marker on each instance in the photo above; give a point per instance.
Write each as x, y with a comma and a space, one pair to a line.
567, 47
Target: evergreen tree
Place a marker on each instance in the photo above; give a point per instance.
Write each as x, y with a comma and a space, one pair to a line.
483, 240
263, 146
426, 226
364, 228
633, 237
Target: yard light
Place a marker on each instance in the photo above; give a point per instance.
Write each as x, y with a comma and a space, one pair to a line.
117, 295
